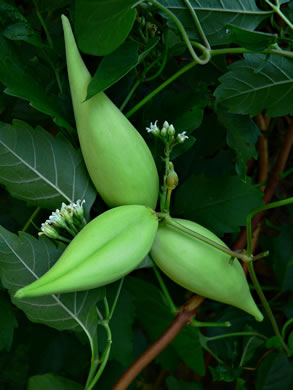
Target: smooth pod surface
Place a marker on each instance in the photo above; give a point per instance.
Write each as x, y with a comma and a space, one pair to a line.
201, 268
118, 160
105, 250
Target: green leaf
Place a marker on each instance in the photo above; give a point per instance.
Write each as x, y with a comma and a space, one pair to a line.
113, 67
290, 342
221, 204
240, 384
22, 80
253, 40
175, 384
41, 169
274, 372
15, 26
153, 314
242, 135
116, 65
155, 317
7, 325
214, 15
101, 26
121, 325
247, 89
223, 373
250, 346
52, 382
281, 254
51, 5
187, 345
23, 260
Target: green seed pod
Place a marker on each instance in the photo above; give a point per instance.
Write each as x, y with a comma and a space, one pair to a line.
105, 250
118, 160
201, 268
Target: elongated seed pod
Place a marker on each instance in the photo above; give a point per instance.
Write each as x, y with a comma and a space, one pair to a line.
201, 268
118, 160
105, 250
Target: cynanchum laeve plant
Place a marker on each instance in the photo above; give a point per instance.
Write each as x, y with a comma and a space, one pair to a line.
117, 158
114, 243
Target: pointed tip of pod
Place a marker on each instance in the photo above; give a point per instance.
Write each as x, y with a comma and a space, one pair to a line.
256, 313
258, 316
19, 294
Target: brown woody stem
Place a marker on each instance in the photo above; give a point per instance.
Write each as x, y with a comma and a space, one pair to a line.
182, 318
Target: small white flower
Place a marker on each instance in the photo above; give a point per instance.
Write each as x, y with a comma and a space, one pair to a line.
56, 219
78, 208
166, 125
153, 128
182, 137
49, 230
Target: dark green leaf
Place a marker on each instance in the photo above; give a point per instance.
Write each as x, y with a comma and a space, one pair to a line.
175, 384
7, 325
16, 27
113, 67
253, 40
51, 5
121, 326
223, 373
155, 317
240, 384
247, 89
188, 347
101, 26
281, 253
21, 80
242, 135
221, 204
23, 260
41, 169
214, 15
275, 372
52, 382
290, 342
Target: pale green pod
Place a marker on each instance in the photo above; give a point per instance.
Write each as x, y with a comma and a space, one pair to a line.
105, 250
202, 269
118, 160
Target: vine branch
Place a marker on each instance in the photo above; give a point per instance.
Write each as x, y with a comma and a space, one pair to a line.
182, 318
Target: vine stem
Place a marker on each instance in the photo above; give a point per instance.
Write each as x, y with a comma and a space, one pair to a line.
185, 37
212, 52
181, 319
278, 11
137, 83
272, 185
170, 221
29, 221
268, 206
159, 89
197, 24
104, 357
165, 291
235, 334
266, 306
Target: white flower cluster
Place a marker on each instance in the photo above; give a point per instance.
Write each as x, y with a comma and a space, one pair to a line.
166, 130
67, 218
